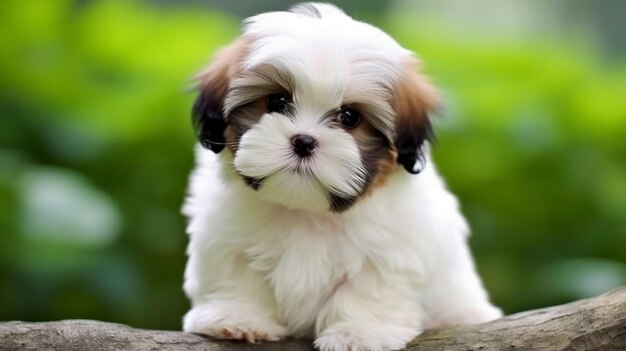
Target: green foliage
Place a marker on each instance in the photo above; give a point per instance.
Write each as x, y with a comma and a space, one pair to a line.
96, 145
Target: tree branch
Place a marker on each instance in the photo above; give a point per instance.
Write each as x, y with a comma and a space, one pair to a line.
592, 325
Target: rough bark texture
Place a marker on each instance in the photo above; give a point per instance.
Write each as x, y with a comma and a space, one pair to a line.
593, 324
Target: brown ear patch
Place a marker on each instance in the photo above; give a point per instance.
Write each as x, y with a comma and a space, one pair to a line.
414, 98
216, 77
213, 83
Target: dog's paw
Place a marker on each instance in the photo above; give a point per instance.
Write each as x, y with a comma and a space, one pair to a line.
235, 323
359, 336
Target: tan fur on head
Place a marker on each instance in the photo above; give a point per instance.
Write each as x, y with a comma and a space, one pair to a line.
414, 96
413, 99
226, 65
214, 83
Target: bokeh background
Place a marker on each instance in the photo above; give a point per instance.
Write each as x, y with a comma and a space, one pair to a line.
96, 144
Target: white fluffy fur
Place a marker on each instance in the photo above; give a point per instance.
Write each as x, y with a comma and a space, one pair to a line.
275, 263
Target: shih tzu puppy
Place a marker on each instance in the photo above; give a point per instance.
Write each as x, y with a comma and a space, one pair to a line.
314, 210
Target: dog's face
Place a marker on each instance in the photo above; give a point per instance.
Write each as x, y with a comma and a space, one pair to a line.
316, 108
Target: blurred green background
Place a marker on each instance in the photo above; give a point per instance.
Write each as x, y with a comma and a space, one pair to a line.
96, 144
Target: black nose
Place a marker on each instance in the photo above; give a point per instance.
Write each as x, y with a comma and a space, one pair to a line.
303, 145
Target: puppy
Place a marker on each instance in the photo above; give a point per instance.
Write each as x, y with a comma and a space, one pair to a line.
314, 210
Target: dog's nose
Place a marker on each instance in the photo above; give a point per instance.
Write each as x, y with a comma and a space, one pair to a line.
303, 145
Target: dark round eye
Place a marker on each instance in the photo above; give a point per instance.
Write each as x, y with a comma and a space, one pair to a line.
276, 103
349, 117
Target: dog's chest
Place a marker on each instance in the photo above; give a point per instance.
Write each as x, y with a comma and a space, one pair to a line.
304, 260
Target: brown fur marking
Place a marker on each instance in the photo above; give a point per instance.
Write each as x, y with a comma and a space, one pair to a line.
413, 98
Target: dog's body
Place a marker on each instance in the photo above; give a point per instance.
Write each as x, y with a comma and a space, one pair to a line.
309, 224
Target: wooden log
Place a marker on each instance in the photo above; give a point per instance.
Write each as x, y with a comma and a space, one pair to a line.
596, 324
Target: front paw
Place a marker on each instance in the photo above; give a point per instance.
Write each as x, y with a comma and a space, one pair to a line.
364, 336
232, 322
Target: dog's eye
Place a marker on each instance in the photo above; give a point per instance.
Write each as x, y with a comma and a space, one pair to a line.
276, 103
349, 117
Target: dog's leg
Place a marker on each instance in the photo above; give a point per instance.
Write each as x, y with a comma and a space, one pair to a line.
230, 301
371, 311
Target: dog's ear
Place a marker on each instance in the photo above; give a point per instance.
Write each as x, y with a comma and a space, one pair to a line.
413, 100
213, 82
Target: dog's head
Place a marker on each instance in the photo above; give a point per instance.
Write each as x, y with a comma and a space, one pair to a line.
318, 109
